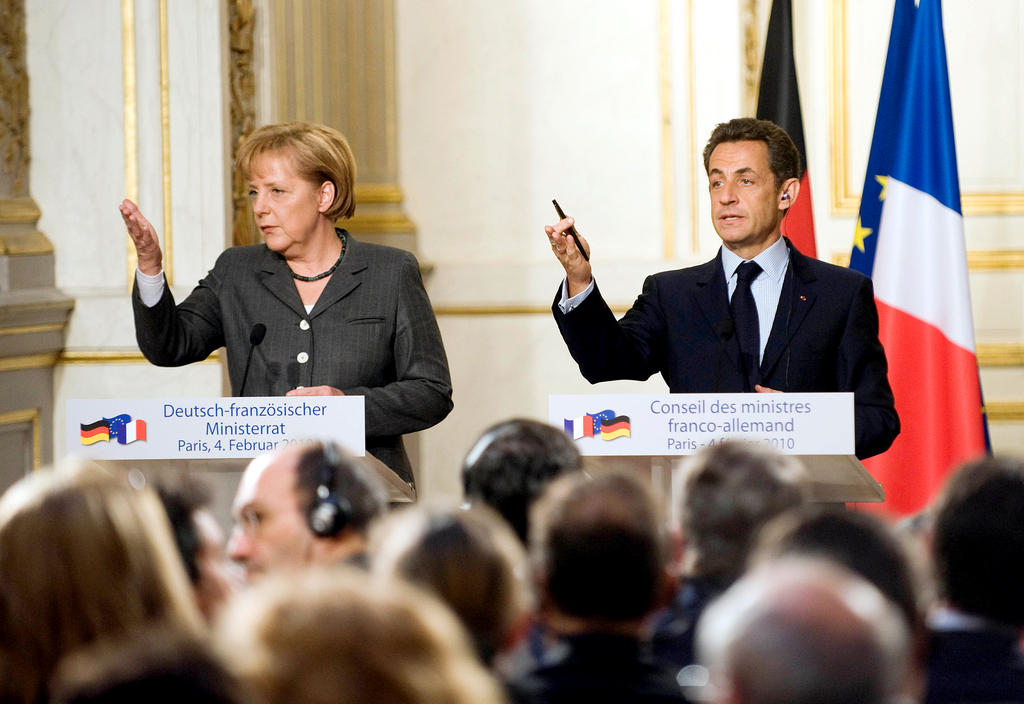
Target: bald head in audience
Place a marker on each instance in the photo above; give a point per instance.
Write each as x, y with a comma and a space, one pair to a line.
803, 631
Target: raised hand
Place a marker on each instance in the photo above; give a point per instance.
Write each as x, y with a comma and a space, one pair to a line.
147, 244
577, 269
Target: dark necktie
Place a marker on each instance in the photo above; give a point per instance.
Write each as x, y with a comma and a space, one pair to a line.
744, 314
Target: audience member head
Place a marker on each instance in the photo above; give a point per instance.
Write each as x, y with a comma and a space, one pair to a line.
512, 462
783, 156
83, 556
870, 548
154, 665
861, 542
469, 559
731, 491
306, 504
200, 541
318, 153
803, 631
599, 554
335, 636
978, 540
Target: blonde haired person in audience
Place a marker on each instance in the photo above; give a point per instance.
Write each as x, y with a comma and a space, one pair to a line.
331, 635
83, 556
469, 558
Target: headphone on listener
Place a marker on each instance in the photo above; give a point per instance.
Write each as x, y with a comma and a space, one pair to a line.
330, 511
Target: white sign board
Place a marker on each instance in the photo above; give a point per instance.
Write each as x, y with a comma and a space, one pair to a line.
681, 424
210, 428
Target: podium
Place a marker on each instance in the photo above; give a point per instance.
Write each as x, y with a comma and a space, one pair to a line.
213, 439
652, 434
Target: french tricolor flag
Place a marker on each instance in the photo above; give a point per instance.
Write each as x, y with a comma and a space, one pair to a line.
580, 426
917, 259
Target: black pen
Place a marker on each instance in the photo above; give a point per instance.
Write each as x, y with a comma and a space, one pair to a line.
571, 231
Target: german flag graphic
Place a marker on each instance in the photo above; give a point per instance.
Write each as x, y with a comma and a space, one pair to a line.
95, 432
617, 427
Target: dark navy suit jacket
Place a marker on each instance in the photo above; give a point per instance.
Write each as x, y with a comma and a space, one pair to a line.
824, 338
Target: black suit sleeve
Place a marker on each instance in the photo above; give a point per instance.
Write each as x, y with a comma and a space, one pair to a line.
862, 368
607, 349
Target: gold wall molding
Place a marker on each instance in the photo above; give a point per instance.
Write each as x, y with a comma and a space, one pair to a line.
32, 329
30, 416
846, 195
14, 101
28, 361
1005, 411
377, 222
752, 53
995, 259
378, 193
334, 63
508, 309
165, 147
131, 125
97, 356
242, 103
691, 119
23, 244
1001, 354
977, 260
18, 211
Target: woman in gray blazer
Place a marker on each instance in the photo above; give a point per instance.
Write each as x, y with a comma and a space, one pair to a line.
338, 316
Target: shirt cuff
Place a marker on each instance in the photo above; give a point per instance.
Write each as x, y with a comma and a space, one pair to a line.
151, 288
567, 304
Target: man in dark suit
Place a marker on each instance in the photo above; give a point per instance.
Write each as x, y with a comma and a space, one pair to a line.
599, 557
760, 316
974, 653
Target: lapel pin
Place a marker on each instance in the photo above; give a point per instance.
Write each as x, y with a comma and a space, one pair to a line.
803, 298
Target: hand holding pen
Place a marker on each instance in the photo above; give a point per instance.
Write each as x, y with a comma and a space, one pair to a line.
572, 250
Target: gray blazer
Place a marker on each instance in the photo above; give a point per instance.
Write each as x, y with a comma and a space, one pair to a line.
372, 333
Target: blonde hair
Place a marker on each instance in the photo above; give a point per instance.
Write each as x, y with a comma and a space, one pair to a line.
470, 559
319, 153
333, 636
83, 556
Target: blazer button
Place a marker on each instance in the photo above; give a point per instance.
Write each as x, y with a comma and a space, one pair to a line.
302, 357
303, 324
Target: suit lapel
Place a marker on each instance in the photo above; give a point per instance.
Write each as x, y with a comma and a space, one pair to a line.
347, 277
795, 302
712, 296
276, 277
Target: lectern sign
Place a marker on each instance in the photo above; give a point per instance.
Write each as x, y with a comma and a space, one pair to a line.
209, 428
681, 424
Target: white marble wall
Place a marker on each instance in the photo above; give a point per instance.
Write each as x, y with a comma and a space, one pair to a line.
76, 59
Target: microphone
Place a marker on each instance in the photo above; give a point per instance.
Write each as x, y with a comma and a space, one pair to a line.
256, 335
724, 329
